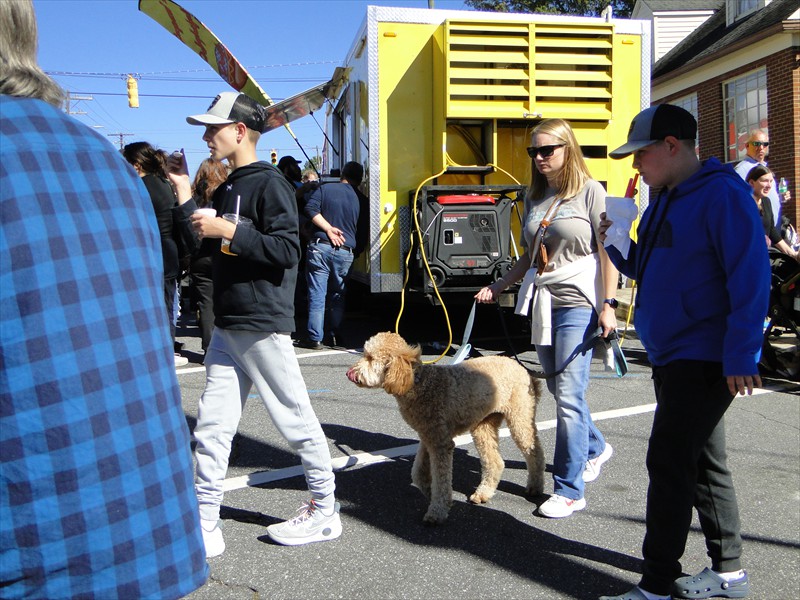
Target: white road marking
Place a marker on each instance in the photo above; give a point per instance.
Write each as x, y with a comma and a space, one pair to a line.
370, 458
201, 369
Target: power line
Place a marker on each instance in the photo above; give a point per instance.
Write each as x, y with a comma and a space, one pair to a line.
125, 75
140, 95
204, 97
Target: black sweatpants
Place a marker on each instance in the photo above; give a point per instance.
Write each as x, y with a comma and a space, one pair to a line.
686, 461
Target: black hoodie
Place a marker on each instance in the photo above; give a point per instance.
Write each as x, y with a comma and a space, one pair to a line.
254, 291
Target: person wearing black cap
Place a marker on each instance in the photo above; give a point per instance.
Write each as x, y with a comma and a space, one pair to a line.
289, 166
254, 315
702, 272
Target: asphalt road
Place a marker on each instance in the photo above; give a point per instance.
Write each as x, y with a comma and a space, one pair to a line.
498, 550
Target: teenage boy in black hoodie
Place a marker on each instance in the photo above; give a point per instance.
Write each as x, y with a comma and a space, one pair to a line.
254, 315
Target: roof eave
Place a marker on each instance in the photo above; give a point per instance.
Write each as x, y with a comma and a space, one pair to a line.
776, 29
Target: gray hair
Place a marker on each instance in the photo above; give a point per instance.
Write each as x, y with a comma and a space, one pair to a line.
754, 132
20, 74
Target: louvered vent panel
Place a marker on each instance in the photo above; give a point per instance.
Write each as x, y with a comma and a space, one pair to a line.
508, 70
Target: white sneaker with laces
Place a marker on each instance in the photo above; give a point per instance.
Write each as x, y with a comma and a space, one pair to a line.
181, 361
309, 525
558, 507
212, 538
592, 470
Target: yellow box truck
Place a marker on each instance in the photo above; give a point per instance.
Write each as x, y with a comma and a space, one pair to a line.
438, 107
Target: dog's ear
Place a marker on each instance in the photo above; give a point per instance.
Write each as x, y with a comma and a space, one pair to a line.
400, 370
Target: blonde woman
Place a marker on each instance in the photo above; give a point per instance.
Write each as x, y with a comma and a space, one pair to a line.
572, 292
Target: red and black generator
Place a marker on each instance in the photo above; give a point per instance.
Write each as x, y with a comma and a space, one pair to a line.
467, 234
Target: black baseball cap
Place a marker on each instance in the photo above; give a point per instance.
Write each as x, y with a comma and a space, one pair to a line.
232, 107
656, 123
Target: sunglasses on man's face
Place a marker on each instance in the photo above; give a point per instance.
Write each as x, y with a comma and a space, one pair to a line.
757, 144
543, 151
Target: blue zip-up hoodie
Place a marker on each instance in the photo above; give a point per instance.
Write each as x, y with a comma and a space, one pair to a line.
703, 274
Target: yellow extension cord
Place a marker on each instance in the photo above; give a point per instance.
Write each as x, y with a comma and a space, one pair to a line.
418, 230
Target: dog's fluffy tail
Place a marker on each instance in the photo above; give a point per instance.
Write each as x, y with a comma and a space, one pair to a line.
535, 390
535, 387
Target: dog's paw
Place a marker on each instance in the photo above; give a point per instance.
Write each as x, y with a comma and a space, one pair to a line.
535, 488
481, 496
436, 515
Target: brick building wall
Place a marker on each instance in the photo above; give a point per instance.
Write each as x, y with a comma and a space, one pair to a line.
783, 111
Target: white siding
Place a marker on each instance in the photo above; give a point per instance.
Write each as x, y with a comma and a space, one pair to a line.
670, 28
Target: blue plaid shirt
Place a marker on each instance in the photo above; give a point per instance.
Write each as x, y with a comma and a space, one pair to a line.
96, 494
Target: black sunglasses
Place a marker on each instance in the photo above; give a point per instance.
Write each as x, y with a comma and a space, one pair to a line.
757, 144
543, 151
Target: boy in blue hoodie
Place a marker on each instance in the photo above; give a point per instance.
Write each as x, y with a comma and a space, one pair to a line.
703, 284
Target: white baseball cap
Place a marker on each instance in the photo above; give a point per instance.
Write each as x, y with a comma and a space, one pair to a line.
232, 107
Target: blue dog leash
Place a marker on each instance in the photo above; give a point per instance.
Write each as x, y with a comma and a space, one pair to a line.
620, 363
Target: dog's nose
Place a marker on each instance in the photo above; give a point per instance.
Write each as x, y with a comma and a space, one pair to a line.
351, 375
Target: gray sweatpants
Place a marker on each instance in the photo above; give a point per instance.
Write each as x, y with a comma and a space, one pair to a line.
235, 361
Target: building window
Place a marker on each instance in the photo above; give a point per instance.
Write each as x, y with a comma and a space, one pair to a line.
689, 103
745, 103
737, 9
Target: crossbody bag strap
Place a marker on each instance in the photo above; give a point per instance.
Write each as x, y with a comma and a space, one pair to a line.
538, 238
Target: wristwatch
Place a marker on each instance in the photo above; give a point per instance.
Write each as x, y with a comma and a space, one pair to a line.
612, 302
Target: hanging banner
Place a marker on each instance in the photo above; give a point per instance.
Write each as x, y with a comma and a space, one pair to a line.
191, 31
305, 103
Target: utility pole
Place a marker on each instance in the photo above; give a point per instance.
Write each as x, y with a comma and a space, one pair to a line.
68, 105
121, 137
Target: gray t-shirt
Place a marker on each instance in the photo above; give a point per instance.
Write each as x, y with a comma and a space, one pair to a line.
572, 234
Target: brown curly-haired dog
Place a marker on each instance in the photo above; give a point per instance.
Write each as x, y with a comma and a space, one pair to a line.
440, 402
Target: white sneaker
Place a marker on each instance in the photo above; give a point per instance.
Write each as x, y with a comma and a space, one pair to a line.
212, 538
558, 507
592, 470
181, 361
310, 525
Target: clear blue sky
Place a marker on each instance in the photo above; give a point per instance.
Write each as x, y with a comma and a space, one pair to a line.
287, 46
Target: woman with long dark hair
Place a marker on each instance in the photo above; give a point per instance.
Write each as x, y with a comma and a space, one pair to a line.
150, 164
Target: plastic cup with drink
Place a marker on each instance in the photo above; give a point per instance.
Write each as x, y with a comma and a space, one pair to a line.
208, 212
235, 218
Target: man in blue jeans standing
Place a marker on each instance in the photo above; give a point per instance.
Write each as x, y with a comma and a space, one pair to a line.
333, 209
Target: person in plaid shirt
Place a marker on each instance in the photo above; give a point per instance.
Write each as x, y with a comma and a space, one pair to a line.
96, 494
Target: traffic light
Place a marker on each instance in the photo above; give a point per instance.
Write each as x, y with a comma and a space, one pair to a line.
273, 156
133, 92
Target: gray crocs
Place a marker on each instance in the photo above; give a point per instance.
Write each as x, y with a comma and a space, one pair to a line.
708, 584
634, 594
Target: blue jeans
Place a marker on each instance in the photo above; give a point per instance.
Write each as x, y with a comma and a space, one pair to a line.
577, 438
326, 271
